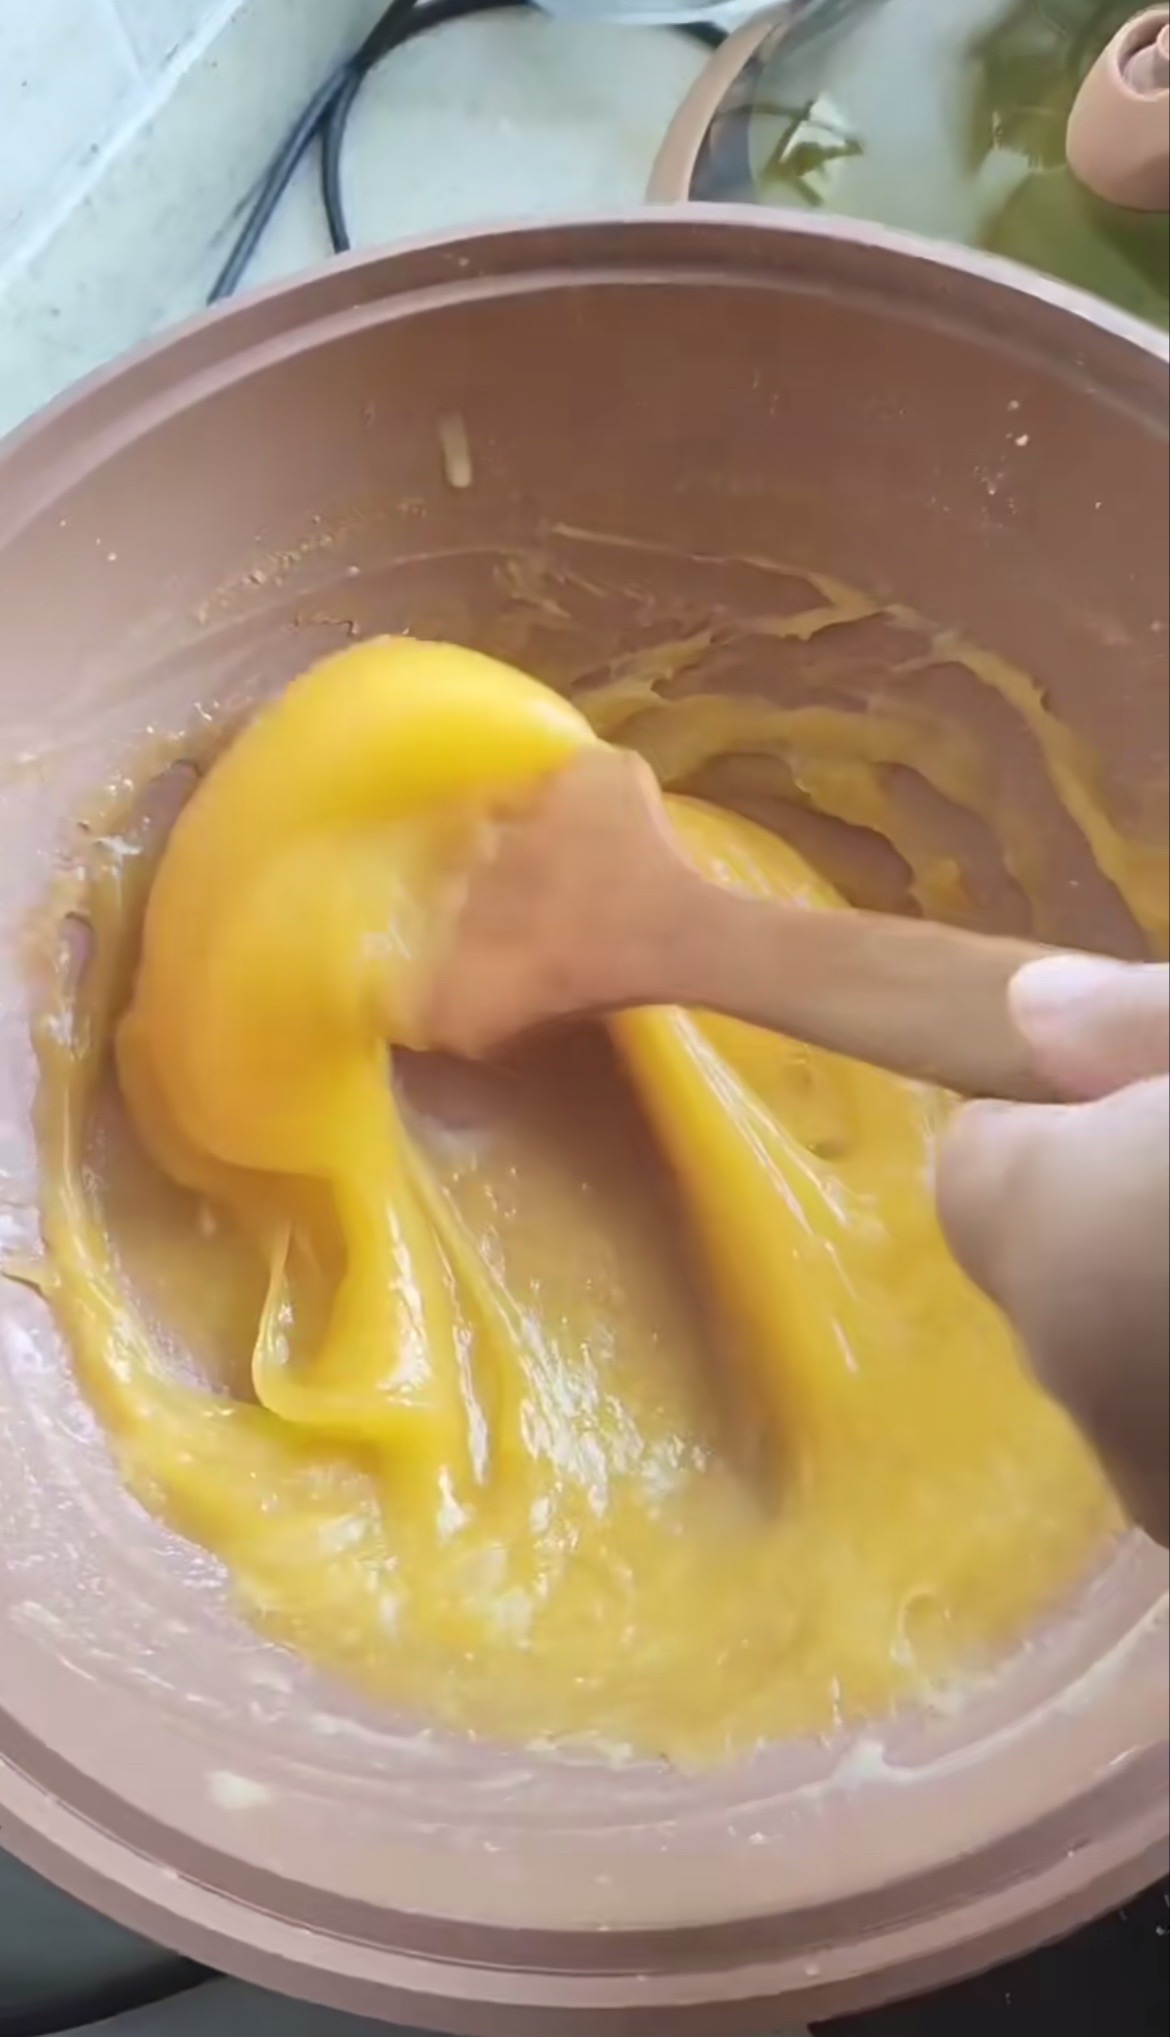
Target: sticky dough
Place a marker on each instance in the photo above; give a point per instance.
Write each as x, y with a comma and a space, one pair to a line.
624, 1393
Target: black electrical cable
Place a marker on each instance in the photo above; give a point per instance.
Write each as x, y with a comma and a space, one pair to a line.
326, 118
399, 27
273, 186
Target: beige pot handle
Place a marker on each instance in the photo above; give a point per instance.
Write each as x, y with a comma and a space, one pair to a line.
1119, 133
672, 177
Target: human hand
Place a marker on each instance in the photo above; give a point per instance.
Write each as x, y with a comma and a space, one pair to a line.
1061, 1212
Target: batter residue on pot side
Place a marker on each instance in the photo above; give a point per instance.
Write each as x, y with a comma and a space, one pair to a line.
482, 1402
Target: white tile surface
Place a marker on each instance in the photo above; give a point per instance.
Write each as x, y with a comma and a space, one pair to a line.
135, 249
501, 118
506, 117
156, 28
64, 74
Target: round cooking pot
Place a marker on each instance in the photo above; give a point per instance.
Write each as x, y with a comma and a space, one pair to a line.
652, 415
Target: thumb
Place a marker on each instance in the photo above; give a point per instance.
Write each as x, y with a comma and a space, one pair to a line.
1093, 1025
1060, 1214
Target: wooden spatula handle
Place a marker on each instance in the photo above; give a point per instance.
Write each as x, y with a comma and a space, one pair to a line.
920, 999
586, 903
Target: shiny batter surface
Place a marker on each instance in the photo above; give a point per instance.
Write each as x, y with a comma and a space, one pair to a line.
624, 1393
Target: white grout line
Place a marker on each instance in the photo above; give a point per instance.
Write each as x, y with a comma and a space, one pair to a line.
122, 37
145, 110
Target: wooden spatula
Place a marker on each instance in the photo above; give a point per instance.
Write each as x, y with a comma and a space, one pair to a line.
584, 903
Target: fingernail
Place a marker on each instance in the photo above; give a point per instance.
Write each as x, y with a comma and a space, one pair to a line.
1052, 998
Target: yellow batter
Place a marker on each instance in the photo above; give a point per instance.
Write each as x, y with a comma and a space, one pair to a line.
626, 1392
